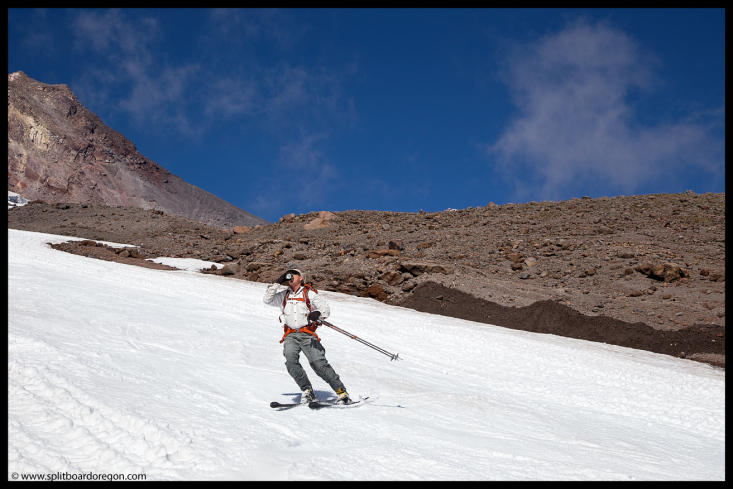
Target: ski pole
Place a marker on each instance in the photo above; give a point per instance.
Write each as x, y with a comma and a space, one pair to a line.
354, 337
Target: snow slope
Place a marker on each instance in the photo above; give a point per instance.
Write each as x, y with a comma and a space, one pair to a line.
119, 369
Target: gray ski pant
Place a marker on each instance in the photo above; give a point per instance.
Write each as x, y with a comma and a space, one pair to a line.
315, 353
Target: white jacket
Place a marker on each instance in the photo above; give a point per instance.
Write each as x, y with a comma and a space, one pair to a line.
295, 312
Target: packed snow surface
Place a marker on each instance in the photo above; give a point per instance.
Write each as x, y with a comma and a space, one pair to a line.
188, 264
15, 200
119, 369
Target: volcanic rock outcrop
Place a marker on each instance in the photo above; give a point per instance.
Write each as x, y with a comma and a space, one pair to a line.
60, 152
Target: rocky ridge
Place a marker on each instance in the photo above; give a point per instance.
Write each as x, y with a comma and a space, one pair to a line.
61, 152
654, 260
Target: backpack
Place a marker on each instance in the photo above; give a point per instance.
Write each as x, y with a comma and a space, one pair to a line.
311, 328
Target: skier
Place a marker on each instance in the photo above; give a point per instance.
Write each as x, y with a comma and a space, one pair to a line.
302, 309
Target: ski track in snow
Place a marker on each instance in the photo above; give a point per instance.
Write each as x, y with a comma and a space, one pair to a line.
119, 369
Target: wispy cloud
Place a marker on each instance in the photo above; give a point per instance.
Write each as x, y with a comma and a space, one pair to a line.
268, 25
111, 31
224, 77
315, 175
576, 127
280, 95
278, 88
132, 79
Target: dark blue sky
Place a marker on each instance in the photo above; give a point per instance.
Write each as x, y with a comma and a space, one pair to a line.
281, 111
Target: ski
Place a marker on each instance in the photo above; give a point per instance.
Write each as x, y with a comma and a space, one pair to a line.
319, 404
275, 404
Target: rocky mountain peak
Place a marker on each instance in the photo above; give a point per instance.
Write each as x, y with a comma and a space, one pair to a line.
61, 152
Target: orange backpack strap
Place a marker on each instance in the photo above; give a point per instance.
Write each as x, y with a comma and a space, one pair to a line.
305, 294
314, 325
304, 329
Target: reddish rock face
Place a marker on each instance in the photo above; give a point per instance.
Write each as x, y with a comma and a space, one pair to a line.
60, 152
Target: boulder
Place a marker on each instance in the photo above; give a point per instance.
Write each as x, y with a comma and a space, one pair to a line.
255, 265
396, 244
323, 220
716, 277
445, 270
667, 272
327, 216
241, 229
230, 269
417, 268
409, 285
317, 223
377, 291
381, 253
392, 278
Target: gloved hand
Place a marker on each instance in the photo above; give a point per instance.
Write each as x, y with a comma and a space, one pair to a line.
313, 316
281, 278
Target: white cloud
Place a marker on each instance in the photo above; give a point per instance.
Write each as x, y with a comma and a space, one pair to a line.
113, 34
231, 96
132, 78
225, 77
576, 128
303, 159
274, 25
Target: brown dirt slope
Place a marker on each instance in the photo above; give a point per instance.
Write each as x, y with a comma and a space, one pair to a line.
654, 263
550, 317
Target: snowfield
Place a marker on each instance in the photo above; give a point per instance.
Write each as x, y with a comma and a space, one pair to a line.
117, 369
